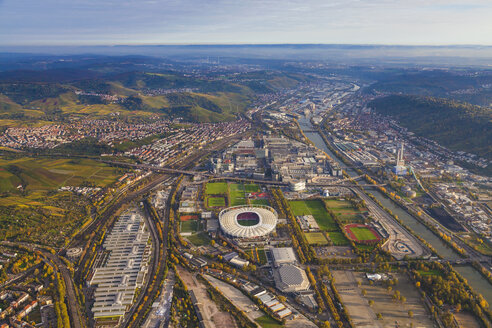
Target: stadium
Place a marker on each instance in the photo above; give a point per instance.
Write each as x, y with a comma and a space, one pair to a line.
248, 221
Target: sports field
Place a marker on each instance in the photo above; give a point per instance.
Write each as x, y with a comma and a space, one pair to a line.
216, 188
251, 187
216, 201
248, 222
338, 238
237, 194
316, 238
317, 210
188, 217
344, 210
259, 202
189, 226
362, 233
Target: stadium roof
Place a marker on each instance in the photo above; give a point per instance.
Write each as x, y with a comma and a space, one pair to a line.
230, 226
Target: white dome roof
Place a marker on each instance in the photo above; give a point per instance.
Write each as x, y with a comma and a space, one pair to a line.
229, 224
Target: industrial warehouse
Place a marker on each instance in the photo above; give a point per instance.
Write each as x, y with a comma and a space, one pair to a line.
121, 267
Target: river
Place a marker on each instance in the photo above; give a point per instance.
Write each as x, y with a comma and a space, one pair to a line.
474, 278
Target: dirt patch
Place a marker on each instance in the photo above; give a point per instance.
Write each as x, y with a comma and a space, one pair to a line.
212, 315
358, 308
344, 252
466, 320
393, 311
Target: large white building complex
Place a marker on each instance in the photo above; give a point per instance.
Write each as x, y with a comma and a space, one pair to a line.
248, 221
123, 267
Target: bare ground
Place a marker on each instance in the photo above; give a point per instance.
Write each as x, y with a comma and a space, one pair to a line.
210, 311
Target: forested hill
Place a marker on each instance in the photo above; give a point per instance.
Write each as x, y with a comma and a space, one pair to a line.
458, 126
28, 97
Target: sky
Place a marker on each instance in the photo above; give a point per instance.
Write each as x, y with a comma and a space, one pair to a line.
112, 22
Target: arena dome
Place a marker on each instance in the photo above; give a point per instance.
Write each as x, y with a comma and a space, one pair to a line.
248, 221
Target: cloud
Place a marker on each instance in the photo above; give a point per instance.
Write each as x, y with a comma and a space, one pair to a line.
247, 21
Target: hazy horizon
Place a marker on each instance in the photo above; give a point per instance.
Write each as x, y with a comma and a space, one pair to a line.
182, 22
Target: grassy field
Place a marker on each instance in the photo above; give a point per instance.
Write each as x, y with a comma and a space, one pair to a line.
248, 223
189, 226
344, 210
362, 233
267, 322
237, 194
216, 202
259, 202
484, 248
251, 187
199, 239
338, 238
316, 209
47, 173
316, 238
262, 256
430, 273
216, 188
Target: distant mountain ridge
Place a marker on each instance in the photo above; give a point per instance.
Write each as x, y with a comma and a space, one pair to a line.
28, 96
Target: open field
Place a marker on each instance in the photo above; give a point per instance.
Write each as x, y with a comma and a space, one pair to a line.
316, 238
259, 202
466, 320
216, 188
237, 298
33, 209
199, 239
216, 201
338, 238
358, 308
237, 194
316, 209
392, 311
189, 226
484, 247
362, 233
344, 210
251, 187
262, 256
267, 322
47, 173
211, 313
335, 252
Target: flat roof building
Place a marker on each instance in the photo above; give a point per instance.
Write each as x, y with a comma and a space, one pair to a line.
125, 267
283, 255
290, 278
